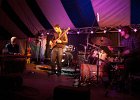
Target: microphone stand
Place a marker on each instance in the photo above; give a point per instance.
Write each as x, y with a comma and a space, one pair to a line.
85, 47
98, 60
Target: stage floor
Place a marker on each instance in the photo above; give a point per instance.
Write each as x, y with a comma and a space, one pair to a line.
38, 78
38, 85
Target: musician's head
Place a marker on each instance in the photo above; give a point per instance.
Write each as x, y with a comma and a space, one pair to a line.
57, 28
13, 40
126, 30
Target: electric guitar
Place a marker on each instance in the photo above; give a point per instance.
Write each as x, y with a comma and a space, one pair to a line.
54, 41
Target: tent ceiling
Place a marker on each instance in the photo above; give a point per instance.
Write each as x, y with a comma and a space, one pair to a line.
25, 18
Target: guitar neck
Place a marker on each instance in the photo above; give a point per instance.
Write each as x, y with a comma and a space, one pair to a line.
63, 33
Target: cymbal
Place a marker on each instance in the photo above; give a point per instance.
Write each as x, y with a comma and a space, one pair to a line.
94, 46
118, 47
102, 41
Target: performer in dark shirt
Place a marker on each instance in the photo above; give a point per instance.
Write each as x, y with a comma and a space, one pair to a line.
13, 47
131, 50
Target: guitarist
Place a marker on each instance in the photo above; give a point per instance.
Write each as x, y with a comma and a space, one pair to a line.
57, 44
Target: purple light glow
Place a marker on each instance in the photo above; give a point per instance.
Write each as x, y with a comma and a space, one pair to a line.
112, 12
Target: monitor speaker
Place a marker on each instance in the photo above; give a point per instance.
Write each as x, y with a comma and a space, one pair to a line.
71, 93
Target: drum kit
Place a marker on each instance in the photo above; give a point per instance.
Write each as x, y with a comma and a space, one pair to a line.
99, 55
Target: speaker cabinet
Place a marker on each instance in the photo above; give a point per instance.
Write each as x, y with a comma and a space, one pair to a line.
71, 93
10, 82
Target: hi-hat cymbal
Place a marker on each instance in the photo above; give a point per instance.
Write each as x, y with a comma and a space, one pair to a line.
102, 41
118, 47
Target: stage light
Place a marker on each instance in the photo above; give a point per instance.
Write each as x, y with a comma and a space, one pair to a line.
135, 30
105, 31
119, 30
91, 32
78, 32
42, 34
67, 32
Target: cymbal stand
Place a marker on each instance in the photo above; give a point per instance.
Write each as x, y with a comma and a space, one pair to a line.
98, 63
85, 53
85, 47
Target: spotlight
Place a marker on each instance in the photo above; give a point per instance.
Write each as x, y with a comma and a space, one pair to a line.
119, 30
135, 30
105, 31
91, 32
67, 32
42, 34
78, 32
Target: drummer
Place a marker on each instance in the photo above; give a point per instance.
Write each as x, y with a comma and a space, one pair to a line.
129, 50
98, 54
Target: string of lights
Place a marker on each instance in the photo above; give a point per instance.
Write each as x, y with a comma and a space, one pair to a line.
93, 30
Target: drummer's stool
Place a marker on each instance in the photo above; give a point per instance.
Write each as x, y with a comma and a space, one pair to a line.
71, 93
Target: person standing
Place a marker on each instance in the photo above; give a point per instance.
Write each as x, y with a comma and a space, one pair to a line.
57, 45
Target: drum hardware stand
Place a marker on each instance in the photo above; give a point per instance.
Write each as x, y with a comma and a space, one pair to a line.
98, 68
98, 63
89, 81
85, 48
69, 59
116, 74
85, 52
98, 60
115, 79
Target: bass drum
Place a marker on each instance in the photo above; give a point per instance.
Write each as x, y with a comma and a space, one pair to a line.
67, 59
89, 71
